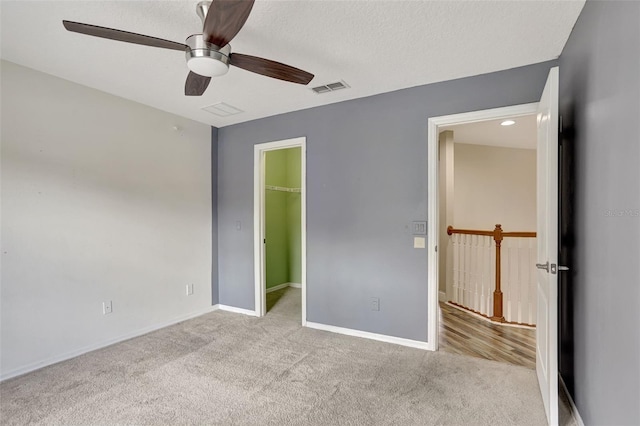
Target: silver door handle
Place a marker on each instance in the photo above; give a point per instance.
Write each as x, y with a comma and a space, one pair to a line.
544, 266
555, 268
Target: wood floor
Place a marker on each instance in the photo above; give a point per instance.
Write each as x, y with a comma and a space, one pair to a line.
460, 332
465, 334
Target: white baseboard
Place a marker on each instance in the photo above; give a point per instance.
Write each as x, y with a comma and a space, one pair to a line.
283, 285
483, 318
235, 310
368, 335
574, 410
77, 352
442, 296
277, 287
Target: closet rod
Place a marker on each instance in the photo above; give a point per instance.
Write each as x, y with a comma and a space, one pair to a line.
281, 188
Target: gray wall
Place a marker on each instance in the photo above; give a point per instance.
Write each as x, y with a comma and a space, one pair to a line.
366, 182
214, 216
600, 297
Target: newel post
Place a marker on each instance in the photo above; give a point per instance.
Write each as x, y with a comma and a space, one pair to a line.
497, 294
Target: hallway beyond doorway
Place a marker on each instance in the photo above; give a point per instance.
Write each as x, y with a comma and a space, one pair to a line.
464, 334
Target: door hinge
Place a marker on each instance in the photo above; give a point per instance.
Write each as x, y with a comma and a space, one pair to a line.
560, 124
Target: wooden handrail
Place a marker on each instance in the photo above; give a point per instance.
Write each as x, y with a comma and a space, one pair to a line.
451, 230
498, 235
519, 234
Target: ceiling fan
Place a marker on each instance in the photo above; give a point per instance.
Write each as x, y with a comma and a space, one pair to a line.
208, 54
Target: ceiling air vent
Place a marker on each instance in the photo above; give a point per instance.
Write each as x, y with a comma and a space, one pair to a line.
331, 87
222, 110
321, 89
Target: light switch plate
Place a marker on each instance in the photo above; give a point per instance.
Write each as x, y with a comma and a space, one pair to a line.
419, 228
419, 242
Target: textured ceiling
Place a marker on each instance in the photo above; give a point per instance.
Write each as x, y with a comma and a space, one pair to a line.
523, 134
375, 46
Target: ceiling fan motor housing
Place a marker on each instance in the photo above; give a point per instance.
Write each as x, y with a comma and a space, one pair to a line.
207, 59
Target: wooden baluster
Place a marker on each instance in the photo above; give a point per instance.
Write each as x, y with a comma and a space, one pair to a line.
497, 294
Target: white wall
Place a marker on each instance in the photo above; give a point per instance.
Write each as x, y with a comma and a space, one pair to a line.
494, 185
101, 200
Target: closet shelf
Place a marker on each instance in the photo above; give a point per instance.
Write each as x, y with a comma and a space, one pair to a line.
281, 188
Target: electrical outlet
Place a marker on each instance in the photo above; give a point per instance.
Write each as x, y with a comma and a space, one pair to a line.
107, 307
189, 289
375, 303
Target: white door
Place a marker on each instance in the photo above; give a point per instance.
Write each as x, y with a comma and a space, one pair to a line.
547, 237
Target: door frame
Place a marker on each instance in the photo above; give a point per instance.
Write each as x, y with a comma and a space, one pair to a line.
259, 155
433, 202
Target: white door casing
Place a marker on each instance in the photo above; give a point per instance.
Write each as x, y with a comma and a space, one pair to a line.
547, 252
259, 220
433, 221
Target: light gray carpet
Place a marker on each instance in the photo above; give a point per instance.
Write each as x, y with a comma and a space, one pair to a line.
226, 368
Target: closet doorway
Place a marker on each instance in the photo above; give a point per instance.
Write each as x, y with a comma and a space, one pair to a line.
279, 221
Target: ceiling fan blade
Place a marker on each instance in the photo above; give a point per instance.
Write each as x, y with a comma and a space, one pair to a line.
224, 19
196, 84
120, 35
270, 68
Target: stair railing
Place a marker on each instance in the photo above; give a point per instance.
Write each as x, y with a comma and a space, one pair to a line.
498, 235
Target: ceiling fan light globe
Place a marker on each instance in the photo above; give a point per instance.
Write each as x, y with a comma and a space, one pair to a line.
206, 59
207, 66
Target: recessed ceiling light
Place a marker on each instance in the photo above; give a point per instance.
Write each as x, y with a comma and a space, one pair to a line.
508, 123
